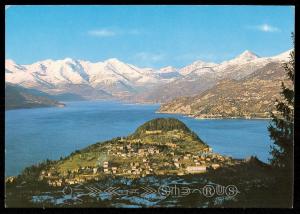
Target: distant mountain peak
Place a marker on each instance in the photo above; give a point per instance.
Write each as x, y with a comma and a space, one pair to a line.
69, 60
167, 69
204, 63
113, 60
247, 55
9, 62
197, 65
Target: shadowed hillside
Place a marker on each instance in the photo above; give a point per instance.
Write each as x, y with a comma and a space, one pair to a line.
18, 97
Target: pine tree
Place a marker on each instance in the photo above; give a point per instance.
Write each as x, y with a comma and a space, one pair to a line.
281, 128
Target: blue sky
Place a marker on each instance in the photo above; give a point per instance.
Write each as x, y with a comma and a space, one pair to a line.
153, 36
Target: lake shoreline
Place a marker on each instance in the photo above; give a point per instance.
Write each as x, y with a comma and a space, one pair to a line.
64, 130
214, 118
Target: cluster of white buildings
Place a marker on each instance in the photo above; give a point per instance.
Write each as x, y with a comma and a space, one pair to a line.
138, 161
198, 163
124, 151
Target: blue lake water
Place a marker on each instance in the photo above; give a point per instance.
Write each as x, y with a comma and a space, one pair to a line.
33, 135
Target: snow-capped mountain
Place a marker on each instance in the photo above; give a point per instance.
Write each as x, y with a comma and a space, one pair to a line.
111, 75
283, 57
236, 68
114, 78
48, 73
247, 63
168, 72
200, 76
197, 67
246, 56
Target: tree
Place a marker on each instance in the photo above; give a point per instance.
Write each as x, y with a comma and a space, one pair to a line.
281, 128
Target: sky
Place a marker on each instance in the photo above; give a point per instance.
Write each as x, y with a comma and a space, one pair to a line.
146, 36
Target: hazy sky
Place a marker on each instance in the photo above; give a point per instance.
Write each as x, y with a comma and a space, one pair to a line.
153, 36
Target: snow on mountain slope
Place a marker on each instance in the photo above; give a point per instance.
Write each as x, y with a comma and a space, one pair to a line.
199, 66
116, 78
246, 56
18, 74
67, 71
285, 56
244, 64
168, 72
111, 75
236, 68
200, 76
167, 69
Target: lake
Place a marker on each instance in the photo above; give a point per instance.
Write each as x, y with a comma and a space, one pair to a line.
33, 135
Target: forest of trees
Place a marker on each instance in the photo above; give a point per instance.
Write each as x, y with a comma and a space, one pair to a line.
164, 124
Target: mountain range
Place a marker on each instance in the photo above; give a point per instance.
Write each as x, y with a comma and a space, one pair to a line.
113, 79
253, 96
200, 76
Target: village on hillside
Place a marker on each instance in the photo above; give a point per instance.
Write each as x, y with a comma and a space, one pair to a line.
133, 158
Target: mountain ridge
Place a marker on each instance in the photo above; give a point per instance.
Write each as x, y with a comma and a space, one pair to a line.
113, 78
18, 97
253, 96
